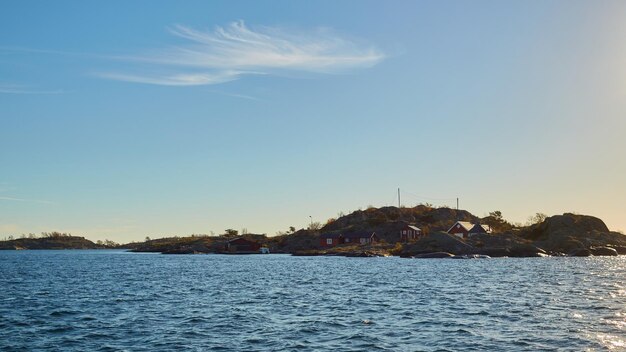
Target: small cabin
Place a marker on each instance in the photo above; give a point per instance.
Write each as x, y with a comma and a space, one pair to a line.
361, 238
409, 233
242, 245
331, 239
465, 229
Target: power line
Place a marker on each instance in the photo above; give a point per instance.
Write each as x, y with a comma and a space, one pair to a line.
426, 198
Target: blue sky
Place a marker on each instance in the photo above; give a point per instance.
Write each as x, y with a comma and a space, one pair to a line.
122, 120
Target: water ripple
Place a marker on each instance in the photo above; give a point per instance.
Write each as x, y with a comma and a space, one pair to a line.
116, 301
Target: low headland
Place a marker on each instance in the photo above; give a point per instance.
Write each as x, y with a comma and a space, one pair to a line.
559, 235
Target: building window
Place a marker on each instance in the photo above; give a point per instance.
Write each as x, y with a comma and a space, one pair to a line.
329, 241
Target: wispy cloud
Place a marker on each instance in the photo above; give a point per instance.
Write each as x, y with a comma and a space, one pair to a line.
228, 53
238, 96
20, 89
26, 200
173, 79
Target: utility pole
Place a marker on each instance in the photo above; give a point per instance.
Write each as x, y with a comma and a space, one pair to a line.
398, 197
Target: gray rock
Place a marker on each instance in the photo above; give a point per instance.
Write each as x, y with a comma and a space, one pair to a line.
471, 256
620, 249
527, 250
604, 251
434, 255
580, 252
496, 252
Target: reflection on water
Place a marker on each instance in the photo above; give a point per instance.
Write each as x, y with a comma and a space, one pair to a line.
111, 300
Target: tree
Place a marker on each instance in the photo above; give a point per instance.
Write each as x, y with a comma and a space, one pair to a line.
497, 222
537, 218
231, 233
147, 238
292, 229
109, 243
315, 226
497, 215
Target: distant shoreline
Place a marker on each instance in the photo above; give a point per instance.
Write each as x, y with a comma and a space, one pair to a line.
560, 235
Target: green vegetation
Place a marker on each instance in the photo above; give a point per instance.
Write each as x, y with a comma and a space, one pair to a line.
567, 233
54, 240
497, 222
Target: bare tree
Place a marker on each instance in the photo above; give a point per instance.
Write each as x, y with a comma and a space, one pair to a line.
315, 226
231, 233
537, 218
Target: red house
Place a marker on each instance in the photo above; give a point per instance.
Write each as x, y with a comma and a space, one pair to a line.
466, 229
409, 233
242, 245
331, 239
360, 238
334, 239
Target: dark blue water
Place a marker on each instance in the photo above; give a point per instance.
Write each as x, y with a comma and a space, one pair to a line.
111, 301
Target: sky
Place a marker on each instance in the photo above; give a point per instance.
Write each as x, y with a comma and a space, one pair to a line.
126, 119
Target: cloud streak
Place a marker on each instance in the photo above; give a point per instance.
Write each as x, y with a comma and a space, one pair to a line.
17, 89
26, 200
228, 53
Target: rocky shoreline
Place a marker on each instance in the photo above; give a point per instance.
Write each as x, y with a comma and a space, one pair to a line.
560, 235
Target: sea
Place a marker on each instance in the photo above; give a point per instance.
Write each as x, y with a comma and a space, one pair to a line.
111, 300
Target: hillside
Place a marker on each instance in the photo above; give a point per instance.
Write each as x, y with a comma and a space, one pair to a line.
192, 244
387, 221
54, 242
559, 234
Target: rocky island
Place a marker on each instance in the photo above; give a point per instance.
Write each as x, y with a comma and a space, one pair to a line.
567, 234
54, 240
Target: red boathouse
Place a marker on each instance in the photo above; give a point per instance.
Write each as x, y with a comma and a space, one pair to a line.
331, 239
409, 233
466, 229
242, 245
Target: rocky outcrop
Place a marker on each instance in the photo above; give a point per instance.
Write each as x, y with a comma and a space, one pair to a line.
471, 256
387, 221
180, 251
580, 252
364, 254
603, 251
621, 250
299, 241
527, 250
504, 245
576, 235
433, 255
437, 242
569, 233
